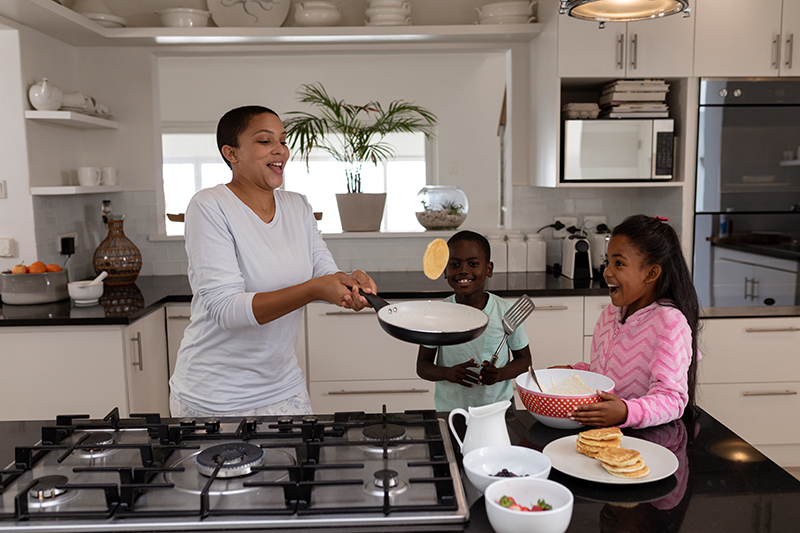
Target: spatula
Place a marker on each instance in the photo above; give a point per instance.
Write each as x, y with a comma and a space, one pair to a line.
512, 319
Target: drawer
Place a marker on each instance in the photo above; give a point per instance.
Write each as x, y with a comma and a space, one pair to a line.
343, 345
370, 396
555, 331
760, 413
746, 350
592, 307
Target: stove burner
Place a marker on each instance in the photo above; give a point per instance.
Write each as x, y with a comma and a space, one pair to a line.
48, 487
100, 439
237, 459
376, 432
385, 481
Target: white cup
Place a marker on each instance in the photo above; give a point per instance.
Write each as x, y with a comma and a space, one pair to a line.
89, 176
108, 176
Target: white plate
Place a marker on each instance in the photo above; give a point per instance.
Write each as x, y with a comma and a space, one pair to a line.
562, 454
260, 13
106, 20
86, 303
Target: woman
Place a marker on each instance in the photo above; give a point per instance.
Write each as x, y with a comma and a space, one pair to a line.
256, 258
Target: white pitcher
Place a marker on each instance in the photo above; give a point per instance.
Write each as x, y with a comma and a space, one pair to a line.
486, 426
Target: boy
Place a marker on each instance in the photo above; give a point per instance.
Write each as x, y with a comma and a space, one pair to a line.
456, 385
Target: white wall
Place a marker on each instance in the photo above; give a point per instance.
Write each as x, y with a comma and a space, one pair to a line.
464, 90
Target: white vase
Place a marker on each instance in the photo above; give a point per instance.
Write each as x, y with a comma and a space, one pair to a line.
45, 96
361, 211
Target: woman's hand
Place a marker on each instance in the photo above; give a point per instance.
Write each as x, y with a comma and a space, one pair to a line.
360, 280
610, 411
459, 374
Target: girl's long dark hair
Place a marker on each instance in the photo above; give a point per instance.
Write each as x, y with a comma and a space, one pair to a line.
659, 245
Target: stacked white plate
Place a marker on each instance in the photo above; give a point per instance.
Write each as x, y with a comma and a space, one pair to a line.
97, 11
388, 13
105, 20
508, 12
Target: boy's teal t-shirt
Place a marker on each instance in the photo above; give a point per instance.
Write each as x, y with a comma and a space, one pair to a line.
448, 395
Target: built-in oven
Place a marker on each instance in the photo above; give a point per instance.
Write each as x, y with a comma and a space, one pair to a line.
747, 204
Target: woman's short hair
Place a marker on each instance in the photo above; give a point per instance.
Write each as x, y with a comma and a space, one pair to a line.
234, 122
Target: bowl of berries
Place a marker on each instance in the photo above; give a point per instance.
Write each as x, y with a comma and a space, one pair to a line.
486, 465
528, 504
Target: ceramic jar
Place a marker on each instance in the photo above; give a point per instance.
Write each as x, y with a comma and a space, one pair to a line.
45, 96
317, 13
441, 207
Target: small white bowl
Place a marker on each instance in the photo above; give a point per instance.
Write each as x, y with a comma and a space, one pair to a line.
482, 464
183, 17
502, 9
526, 491
510, 19
83, 293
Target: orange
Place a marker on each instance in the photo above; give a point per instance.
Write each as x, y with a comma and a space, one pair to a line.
52, 268
435, 259
37, 268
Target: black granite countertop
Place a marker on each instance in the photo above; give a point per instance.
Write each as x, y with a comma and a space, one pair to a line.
722, 483
127, 303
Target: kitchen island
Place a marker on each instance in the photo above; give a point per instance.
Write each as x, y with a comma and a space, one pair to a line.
722, 483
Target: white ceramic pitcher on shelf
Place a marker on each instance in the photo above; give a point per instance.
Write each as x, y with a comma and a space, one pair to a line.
486, 426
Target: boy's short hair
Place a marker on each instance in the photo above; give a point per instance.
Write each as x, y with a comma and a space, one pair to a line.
477, 238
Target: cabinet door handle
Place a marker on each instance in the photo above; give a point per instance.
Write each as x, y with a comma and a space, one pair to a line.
634, 50
386, 391
770, 330
347, 313
770, 393
552, 308
776, 51
179, 316
621, 52
138, 340
789, 50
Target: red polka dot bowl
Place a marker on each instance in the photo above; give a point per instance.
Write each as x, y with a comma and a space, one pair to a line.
553, 409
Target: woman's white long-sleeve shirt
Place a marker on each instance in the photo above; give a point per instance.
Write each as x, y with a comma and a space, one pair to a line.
227, 362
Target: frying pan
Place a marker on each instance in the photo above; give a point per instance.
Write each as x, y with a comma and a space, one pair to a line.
424, 322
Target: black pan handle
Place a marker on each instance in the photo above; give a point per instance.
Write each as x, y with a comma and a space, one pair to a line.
374, 300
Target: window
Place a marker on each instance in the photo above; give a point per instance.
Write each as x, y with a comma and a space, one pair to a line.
192, 162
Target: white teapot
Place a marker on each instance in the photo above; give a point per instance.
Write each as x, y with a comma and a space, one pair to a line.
317, 13
45, 96
486, 426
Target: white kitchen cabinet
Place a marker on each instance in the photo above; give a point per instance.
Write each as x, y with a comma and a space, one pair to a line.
178, 318
643, 49
746, 38
52, 370
353, 363
555, 331
750, 381
592, 307
747, 279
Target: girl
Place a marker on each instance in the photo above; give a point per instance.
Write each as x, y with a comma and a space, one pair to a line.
646, 339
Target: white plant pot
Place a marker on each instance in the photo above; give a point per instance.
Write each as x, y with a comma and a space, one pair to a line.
361, 211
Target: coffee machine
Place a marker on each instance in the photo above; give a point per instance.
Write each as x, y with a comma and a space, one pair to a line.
576, 261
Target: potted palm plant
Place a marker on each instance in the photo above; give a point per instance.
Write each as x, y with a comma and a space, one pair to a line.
353, 134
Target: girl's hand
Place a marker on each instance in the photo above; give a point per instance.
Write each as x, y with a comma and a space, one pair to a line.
610, 411
490, 374
461, 376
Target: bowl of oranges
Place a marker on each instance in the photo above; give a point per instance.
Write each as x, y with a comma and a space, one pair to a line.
36, 283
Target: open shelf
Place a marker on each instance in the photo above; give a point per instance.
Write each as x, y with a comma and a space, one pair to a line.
72, 119
790, 163
618, 184
66, 190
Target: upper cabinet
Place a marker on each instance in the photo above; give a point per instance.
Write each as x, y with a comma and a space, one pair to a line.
746, 38
646, 49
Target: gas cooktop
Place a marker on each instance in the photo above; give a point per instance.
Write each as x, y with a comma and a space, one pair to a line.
382, 470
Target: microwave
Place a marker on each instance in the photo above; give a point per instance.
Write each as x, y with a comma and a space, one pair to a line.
617, 150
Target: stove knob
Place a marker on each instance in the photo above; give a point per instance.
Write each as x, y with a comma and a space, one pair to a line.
212, 425
251, 424
310, 419
285, 424
189, 422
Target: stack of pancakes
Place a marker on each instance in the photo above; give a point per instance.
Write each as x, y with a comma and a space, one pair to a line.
604, 444
593, 441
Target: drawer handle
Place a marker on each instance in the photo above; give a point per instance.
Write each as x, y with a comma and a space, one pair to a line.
552, 308
138, 340
387, 391
347, 313
770, 393
769, 330
179, 316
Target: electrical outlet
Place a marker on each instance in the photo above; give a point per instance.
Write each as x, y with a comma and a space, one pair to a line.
567, 220
6, 247
590, 222
70, 234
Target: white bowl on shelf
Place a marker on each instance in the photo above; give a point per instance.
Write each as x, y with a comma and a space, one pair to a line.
503, 9
396, 11
183, 17
106, 20
510, 19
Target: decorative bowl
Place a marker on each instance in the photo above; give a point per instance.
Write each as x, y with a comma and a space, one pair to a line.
249, 13
553, 409
503, 9
27, 289
482, 464
183, 17
526, 491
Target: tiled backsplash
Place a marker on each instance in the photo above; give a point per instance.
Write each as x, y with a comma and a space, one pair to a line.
533, 208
